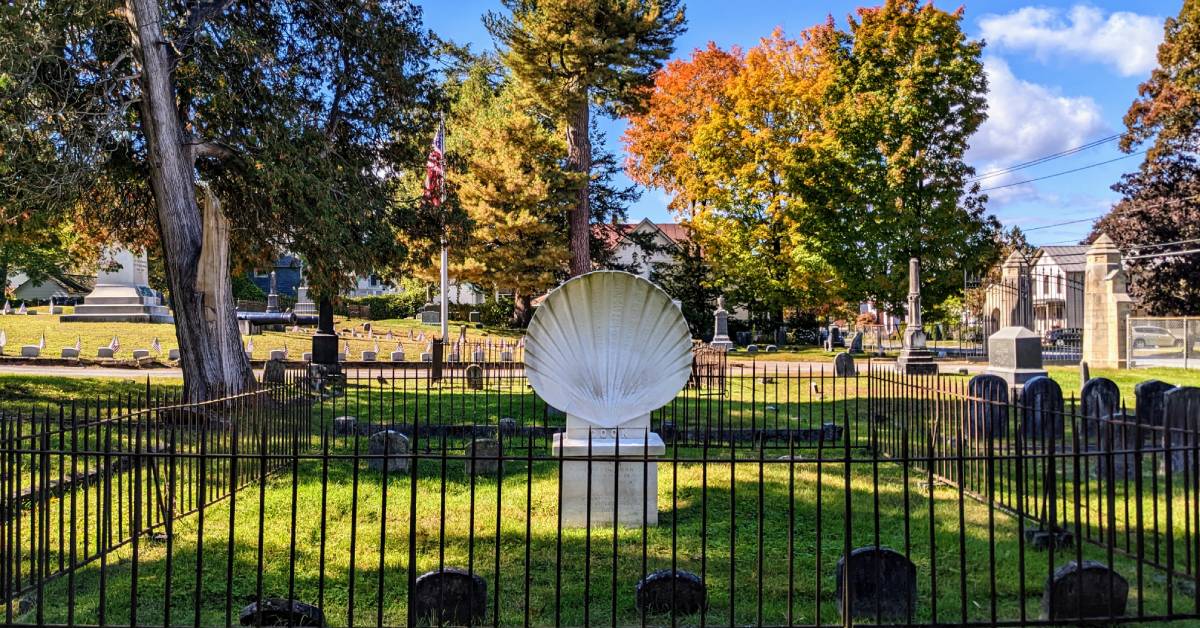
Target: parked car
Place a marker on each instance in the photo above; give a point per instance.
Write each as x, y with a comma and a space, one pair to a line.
1069, 337
1154, 336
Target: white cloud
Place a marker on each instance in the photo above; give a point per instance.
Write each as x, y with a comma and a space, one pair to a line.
1124, 40
1026, 121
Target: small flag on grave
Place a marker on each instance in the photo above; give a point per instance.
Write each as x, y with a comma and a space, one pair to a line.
21, 310
115, 345
42, 342
250, 347
78, 343
7, 308
3, 340
156, 346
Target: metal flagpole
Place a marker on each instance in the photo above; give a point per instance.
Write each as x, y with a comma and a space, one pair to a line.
445, 314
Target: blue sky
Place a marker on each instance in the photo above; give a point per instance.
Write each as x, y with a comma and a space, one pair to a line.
1061, 74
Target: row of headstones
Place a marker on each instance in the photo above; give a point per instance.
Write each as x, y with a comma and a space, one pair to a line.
104, 353
479, 355
389, 450
1159, 406
882, 583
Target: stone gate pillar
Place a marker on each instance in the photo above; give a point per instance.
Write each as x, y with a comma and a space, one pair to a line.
1106, 306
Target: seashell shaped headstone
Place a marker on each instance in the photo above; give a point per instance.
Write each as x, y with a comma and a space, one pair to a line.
608, 348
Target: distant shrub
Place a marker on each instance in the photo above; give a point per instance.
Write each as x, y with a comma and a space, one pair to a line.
246, 290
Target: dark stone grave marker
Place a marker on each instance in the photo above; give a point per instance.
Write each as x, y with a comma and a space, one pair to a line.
678, 592
1104, 425
843, 365
1182, 413
344, 425
475, 377
882, 583
486, 457
1042, 412
1151, 409
1087, 591
450, 596
987, 411
274, 372
281, 612
388, 447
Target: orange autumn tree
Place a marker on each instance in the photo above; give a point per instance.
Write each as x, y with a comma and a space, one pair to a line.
659, 140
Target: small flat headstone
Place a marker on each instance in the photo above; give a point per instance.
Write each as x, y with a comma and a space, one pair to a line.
306, 356
751, 348
104, 352
427, 357
882, 583
987, 411
344, 425
56, 309
278, 354
843, 365
450, 596
390, 447
397, 356
482, 457
479, 355
368, 356
70, 352
274, 372
1084, 591
475, 377
506, 356
772, 348
141, 353
454, 357
678, 593
474, 316
508, 425
173, 354
30, 351
281, 612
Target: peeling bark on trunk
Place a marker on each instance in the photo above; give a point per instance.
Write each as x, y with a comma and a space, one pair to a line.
210, 347
579, 159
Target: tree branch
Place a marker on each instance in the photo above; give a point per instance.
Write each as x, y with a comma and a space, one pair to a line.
198, 17
212, 149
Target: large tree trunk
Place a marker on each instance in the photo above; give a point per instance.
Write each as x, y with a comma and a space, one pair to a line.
579, 159
210, 347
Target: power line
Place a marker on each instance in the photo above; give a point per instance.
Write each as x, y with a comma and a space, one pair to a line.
1167, 254
1059, 224
1064, 172
1043, 159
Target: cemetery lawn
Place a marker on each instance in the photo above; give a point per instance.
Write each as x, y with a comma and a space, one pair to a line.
25, 330
707, 525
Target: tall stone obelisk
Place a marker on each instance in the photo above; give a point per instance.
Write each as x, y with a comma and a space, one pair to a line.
915, 358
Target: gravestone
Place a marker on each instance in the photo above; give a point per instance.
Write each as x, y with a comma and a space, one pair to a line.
482, 457
843, 365
1041, 412
751, 348
1151, 409
475, 377
506, 356
474, 317
772, 348
273, 295
398, 355
105, 352
70, 352
388, 447
915, 358
677, 592
304, 303
30, 351
507, 426
987, 411
1103, 424
855, 344
1084, 591
479, 355
369, 355
431, 314
281, 612
344, 425
882, 583
835, 337
277, 354
1015, 353
426, 356
173, 354
1084, 373
274, 372
450, 596
306, 356
1182, 405
122, 295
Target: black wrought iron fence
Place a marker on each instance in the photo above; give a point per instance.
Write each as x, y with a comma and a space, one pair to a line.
793, 497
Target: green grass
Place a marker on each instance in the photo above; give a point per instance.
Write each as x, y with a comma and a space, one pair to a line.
1125, 379
23, 393
702, 516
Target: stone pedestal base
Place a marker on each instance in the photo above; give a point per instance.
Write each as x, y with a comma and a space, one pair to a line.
623, 473
1015, 377
916, 362
119, 304
721, 342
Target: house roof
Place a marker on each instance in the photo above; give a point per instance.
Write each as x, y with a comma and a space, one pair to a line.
611, 235
1072, 259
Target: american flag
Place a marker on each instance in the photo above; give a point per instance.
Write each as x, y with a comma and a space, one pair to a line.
115, 345
156, 346
435, 168
78, 343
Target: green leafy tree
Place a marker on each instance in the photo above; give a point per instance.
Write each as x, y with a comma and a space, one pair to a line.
1160, 202
689, 278
171, 121
886, 180
569, 55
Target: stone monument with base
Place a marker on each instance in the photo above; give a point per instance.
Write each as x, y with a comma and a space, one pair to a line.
122, 295
915, 358
1015, 353
721, 333
273, 296
628, 354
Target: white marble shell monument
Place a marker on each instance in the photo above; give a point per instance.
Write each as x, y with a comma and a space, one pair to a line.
608, 348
